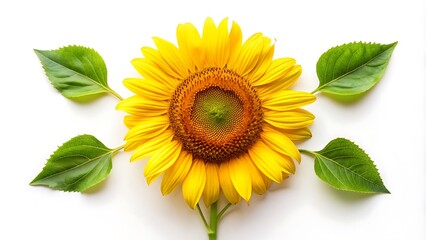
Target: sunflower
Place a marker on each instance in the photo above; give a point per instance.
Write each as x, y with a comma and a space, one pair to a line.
214, 113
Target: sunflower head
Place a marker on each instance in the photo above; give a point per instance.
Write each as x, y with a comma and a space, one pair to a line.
215, 114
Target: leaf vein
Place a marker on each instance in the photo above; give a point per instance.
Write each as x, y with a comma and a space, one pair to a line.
89, 160
79, 74
355, 173
354, 70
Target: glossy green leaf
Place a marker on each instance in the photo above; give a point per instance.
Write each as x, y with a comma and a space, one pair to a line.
345, 166
77, 165
352, 68
75, 71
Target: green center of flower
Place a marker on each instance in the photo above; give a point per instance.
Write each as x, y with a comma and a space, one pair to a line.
217, 112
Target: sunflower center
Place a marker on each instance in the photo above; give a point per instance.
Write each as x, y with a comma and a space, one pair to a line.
216, 114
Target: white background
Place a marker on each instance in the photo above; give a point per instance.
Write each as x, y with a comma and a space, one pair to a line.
388, 122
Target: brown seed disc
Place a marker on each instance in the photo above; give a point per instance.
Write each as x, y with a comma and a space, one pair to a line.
216, 114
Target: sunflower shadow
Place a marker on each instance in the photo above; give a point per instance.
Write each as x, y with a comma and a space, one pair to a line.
285, 184
347, 197
345, 205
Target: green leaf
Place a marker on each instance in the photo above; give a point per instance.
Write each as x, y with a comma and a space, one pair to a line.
75, 71
345, 166
77, 165
353, 68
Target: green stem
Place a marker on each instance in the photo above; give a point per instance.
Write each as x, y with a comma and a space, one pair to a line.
214, 219
315, 91
115, 150
220, 215
212, 230
308, 152
202, 217
115, 94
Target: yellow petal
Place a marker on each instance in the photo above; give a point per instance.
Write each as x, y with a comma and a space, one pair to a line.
170, 53
240, 176
131, 120
280, 143
209, 41
190, 44
162, 159
280, 84
222, 44
264, 61
235, 40
266, 160
278, 70
287, 100
148, 88
149, 148
248, 56
148, 128
256, 177
292, 119
212, 188
132, 145
149, 70
151, 178
145, 130
268, 182
176, 173
293, 134
155, 57
138, 105
194, 183
297, 134
226, 184
287, 165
